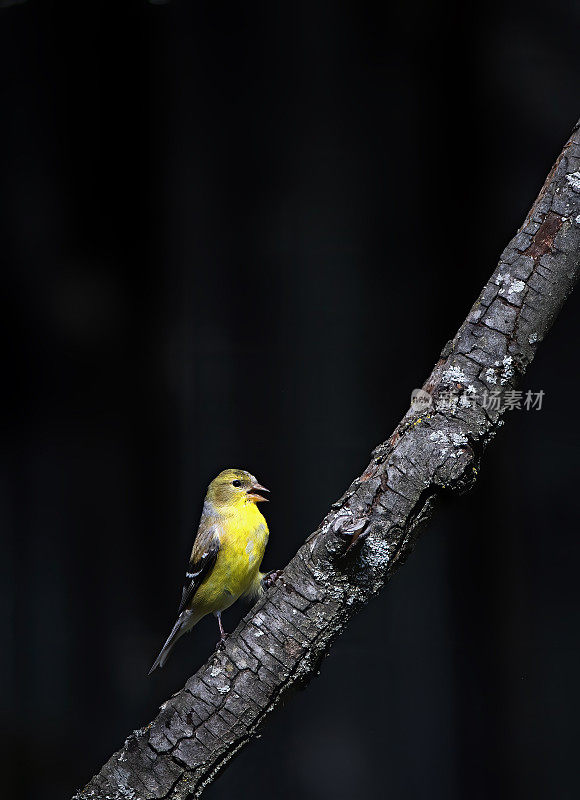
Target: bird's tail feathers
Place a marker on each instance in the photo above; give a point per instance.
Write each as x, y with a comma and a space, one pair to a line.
183, 625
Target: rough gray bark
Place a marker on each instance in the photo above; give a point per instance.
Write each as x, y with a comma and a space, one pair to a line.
281, 642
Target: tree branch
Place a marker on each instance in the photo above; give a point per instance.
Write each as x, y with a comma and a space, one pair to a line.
368, 533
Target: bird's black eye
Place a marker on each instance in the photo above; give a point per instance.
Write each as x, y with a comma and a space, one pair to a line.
236, 483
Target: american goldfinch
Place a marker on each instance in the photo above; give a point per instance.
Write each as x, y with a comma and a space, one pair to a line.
226, 555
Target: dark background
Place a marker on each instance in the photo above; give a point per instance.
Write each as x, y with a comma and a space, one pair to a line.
239, 235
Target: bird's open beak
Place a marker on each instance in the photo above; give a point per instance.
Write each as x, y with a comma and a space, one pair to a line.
257, 498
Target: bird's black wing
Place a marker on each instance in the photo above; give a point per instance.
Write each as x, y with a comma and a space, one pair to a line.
200, 564
203, 556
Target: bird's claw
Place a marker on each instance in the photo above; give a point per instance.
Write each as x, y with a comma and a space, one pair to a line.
221, 645
270, 578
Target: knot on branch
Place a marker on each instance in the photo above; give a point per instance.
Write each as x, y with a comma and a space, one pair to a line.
351, 531
459, 472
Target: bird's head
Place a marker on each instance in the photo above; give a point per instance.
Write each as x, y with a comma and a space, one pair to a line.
234, 488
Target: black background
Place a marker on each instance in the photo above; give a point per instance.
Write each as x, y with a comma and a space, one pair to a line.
239, 235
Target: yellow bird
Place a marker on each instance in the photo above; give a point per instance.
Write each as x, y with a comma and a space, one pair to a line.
226, 556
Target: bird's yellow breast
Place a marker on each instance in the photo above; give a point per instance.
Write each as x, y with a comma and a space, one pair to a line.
243, 538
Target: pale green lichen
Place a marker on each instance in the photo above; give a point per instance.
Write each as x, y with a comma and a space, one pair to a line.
490, 375
516, 287
507, 370
454, 374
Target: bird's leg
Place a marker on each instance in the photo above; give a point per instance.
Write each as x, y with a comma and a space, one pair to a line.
223, 635
270, 578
